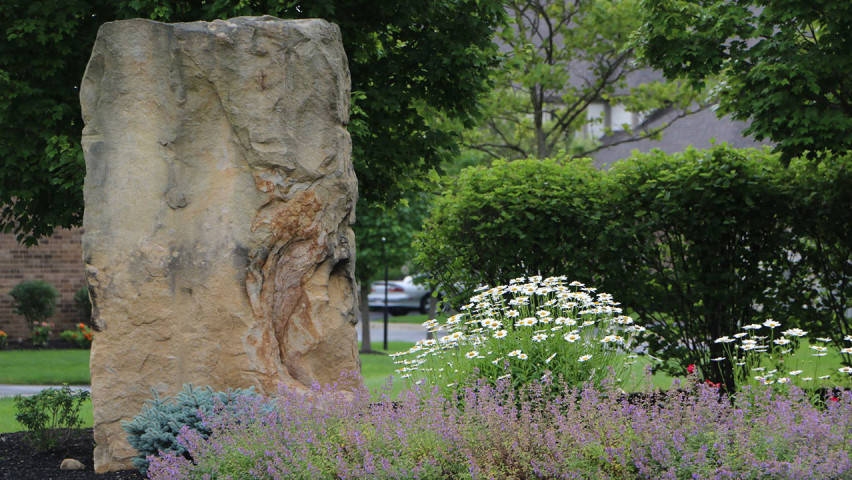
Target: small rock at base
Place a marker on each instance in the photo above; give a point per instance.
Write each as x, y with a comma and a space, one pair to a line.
71, 464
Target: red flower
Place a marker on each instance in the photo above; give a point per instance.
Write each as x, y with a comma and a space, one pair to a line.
714, 385
690, 369
834, 399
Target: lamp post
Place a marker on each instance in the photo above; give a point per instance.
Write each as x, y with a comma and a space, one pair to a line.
385, 260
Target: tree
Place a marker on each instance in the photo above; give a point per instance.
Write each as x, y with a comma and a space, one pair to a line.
403, 57
560, 57
784, 64
383, 235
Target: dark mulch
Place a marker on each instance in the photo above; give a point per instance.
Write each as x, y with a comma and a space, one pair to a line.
19, 461
27, 344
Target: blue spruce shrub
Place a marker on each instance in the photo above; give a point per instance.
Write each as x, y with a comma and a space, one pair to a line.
157, 427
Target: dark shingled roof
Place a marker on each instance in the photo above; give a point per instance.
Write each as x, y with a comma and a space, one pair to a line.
697, 130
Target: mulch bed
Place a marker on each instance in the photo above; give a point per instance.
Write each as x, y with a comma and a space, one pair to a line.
19, 461
27, 344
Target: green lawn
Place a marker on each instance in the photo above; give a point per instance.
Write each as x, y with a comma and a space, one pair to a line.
44, 367
54, 367
411, 319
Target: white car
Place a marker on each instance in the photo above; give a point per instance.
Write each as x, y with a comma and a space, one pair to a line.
403, 296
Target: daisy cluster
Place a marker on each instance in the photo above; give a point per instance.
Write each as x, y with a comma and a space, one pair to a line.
532, 327
745, 349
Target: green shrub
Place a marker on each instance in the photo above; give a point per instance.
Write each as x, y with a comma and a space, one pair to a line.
692, 242
512, 219
692, 237
50, 415
35, 300
84, 305
157, 427
818, 273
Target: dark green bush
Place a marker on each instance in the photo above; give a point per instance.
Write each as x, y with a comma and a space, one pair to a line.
157, 427
689, 242
35, 300
694, 243
818, 274
511, 219
50, 415
84, 305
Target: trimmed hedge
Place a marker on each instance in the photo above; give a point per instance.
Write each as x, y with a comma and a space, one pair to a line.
696, 244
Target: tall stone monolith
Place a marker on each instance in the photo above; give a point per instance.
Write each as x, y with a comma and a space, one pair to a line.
219, 200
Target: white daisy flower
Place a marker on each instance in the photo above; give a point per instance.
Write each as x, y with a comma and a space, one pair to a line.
845, 369
818, 348
583, 358
522, 356
472, 354
724, 339
514, 353
539, 337
771, 323
500, 334
753, 326
784, 380
717, 359
824, 377
795, 332
781, 341
823, 339
571, 337
846, 350
550, 358
527, 322
796, 372
740, 335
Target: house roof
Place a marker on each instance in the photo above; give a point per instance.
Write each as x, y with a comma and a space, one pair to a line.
697, 130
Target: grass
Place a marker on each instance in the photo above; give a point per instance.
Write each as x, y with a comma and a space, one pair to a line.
412, 319
55, 367
72, 366
44, 367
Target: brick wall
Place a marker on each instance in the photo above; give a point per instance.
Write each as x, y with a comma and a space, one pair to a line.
57, 260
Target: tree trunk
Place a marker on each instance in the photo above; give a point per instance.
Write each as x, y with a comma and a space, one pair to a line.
366, 343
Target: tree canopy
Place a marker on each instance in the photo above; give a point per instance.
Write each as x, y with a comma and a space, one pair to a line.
408, 60
560, 57
783, 65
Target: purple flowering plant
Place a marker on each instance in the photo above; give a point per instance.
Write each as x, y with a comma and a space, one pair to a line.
493, 430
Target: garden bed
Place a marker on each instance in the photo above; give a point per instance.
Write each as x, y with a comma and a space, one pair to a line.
20, 461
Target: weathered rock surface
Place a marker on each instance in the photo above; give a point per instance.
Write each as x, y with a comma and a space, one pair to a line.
219, 200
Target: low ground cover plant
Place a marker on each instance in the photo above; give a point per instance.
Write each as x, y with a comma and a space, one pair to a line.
155, 429
495, 431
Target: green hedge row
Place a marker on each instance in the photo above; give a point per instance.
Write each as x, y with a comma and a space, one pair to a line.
695, 244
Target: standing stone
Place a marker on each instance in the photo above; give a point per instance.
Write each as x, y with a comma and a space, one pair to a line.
220, 195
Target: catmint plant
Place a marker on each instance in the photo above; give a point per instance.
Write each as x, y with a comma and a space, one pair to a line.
491, 430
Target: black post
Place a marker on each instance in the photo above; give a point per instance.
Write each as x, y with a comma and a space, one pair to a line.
385, 259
